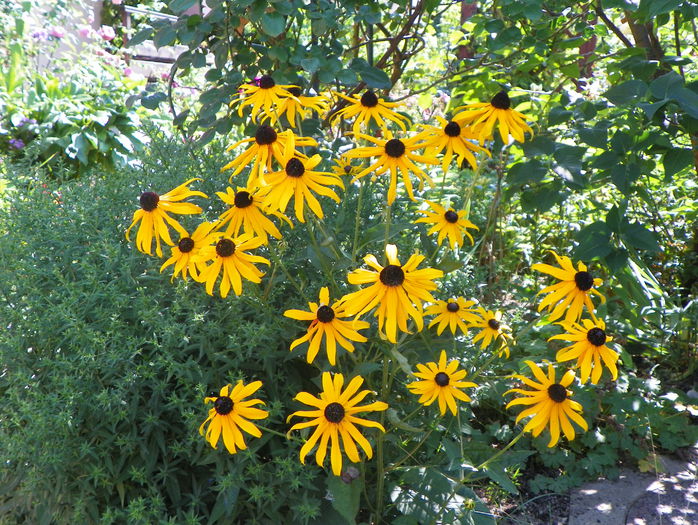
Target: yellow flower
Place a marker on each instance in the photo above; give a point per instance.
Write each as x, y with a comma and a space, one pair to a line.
552, 405
441, 382
154, 216
394, 155
483, 116
454, 313
326, 321
228, 254
398, 291
369, 107
230, 414
344, 167
267, 145
300, 105
492, 330
590, 340
299, 180
266, 96
185, 256
453, 138
447, 223
246, 213
334, 415
574, 290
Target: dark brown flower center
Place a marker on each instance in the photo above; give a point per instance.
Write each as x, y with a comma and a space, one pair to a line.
185, 245
369, 99
596, 336
451, 216
452, 129
225, 248
265, 135
347, 168
501, 100
266, 82
441, 379
392, 275
325, 314
452, 307
334, 412
584, 281
295, 91
295, 168
557, 392
149, 200
242, 199
493, 324
223, 405
395, 148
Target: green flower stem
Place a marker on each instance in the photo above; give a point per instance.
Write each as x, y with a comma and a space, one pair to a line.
277, 433
323, 262
411, 453
332, 241
291, 279
485, 366
408, 416
380, 482
357, 220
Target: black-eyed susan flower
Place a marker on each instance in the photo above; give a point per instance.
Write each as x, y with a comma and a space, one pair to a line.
441, 382
551, 402
447, 222
266, 146
300, 105
154, 216
229, 254
185, 256
397, 290
326, 323
451, 138
589, 349
493, 329
230, 415
367, 107
264, 95
454, 314
572, 293
334, 414
483, 116
246, 213
397, 156
298, 179
344, 167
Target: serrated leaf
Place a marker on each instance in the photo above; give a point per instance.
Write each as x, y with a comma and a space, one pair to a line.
624, 175
640, 238
375, 78
523, 172
663, 87
627, 92
676, 160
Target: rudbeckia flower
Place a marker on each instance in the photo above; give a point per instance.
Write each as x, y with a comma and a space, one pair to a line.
154, 216
447, 223
266, 145
492, 330
551, 404
344, 167
453, 138
298, 104
185, 256
264, 95
246, 213
228, 254
454, 313
298, 179
230, 414
397, 290
572, 293
441, 382
394, 155
334, 414
369, 107
327, 323
483, 116
589, 349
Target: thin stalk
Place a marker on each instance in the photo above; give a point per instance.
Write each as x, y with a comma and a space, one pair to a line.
379, 447
357, 220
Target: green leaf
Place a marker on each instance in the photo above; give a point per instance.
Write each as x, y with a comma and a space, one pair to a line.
522, 172
539, 145
345, 496
178, 6
688, 100
676, 160
594, 241
624, 175
153, 100
596, 136
375, 78
497, 474
663, 87
140, 37
570, 157
311, 65
273, 24
558, 115
640, 238
165, 36
627, 92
